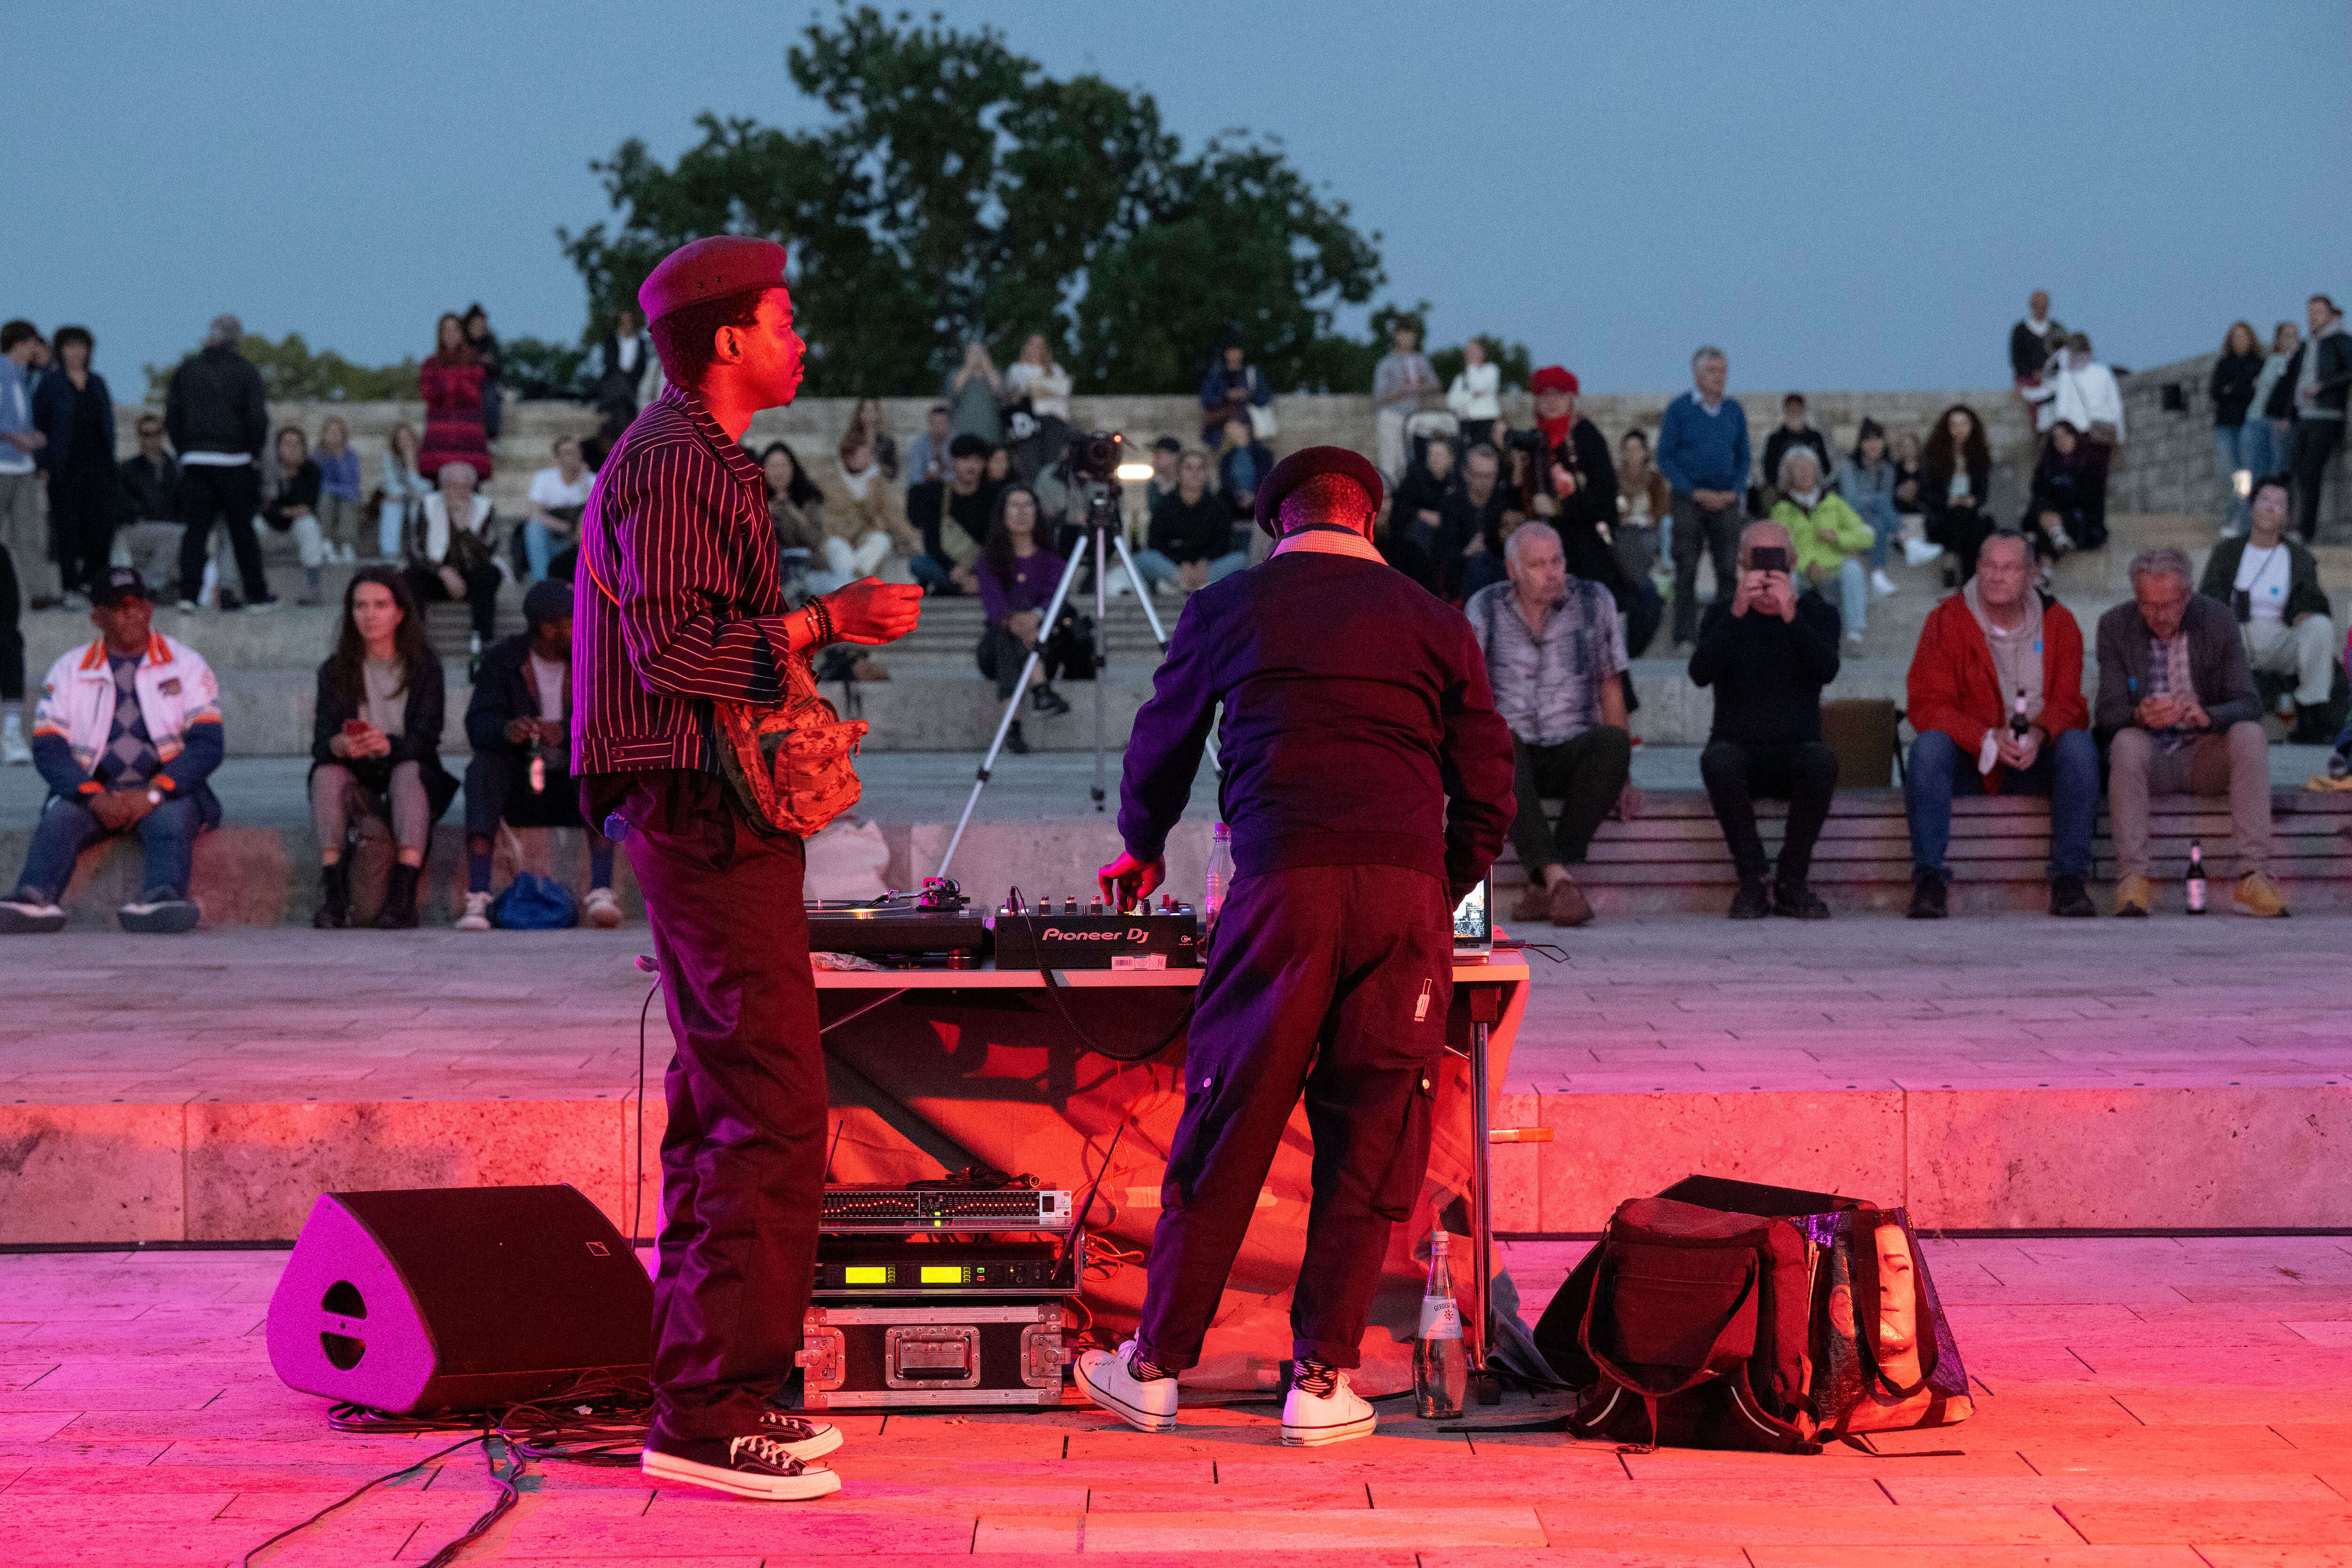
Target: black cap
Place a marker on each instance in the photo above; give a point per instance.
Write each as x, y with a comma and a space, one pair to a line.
120, 583
548, 600
1304, 465
970, 445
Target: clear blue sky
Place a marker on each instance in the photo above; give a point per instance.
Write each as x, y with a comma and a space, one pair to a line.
1839, 206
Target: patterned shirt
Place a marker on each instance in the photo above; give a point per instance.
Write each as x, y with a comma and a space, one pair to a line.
131, 757
680, 601
1546, 686
2167, 675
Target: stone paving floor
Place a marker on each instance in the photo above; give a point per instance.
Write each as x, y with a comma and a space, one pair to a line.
2140, 1401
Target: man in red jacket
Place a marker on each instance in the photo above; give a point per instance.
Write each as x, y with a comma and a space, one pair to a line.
1996, 693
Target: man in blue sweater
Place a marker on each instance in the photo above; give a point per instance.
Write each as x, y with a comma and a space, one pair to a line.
1368, 781
1702, 452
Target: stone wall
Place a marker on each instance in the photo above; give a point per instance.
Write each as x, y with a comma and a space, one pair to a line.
2167, 461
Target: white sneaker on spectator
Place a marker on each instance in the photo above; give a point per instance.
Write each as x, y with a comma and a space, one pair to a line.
1882, 585
19, 916
603, 909
477, 913
1919, 552
1853, 639
13, 753
160, 914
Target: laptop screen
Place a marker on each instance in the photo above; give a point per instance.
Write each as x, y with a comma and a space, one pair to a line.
1473, 922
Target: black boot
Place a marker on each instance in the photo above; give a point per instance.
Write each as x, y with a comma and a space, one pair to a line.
399, 911
1047, 700
335, 910
1797, 901
2310, 728
1927, 901
1013, 740
1752, 901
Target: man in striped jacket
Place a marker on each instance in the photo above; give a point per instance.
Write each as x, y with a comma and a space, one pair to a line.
678, 603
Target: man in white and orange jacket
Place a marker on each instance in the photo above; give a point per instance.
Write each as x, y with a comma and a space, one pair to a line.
127, 730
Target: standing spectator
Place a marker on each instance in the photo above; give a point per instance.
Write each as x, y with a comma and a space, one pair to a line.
1037, 379
1827, 535
338, 490
1191, 541
1991, 647
1793, 431
2033, 342
453, 554
795, 510
866, 423
1472, 535
1016, 577
625, 362
2175, 693
952, 518
1233, 387
1767, 651
519, 721
1418, 504
1244, 463
76, 414
128, 730
2065, 494
403, 493
974, 394
2232, 387
376, 742
1475, 397
1576, 494
451, 384
20, 528
485, 344
1702, 452
1866, 480
2270, 439
1955, 478
1401, 383
557, 500
867, 526
289, 504
1555, 659
148, 487
2272, 585
217, 419
2083, 392
2312, 392
927, 454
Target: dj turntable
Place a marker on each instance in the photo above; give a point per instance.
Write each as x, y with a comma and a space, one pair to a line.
936, 925
939, 928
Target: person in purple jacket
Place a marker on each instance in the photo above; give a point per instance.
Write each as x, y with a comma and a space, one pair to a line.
1017, 577
1368, 786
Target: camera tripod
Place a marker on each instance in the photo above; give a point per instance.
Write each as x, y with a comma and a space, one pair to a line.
1103, 533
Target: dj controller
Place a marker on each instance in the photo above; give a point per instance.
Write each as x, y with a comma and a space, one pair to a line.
940, 928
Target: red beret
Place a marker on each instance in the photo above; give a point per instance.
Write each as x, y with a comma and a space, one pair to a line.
1304, 465
711, 268
1552, 378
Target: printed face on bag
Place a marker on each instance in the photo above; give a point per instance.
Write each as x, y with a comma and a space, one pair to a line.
1897, 1321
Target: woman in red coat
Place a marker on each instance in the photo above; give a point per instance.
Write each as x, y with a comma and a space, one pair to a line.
451, 383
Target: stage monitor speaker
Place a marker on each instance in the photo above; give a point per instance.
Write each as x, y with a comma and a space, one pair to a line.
457, 1299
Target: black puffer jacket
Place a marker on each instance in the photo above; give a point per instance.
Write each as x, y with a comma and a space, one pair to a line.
215, 405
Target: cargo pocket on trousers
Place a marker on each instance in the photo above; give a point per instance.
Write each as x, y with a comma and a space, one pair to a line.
1400, 1187
1195, 1134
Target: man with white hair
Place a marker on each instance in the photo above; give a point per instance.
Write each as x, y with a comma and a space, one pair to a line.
218, 421
1555, 654
455, 553
2174, 691
1702, 452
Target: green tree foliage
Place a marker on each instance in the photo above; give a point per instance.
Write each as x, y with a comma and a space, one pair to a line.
958, 190
534, 367
290, 372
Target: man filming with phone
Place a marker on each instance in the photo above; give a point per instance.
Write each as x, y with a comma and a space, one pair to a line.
1768, 654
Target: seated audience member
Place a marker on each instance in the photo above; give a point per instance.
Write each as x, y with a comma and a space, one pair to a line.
1955, 479
375, 743
1793, 432
927, 454
127, 729
402, 492
1420, 500
998, 469
520, 715
1165, 454
951, 518
2060, 513
1016, 578
1191, 541
865, 525
1233, 387
1767, 652
148, 537
1830, 537
1907, 504
1866, 480
1555, 657
2271, 583
1399, 547
2085, 394
557, 499
289, 504
338, 490
1471, 531
1244, 462
865, 428
1474, 398
450, 552
2176, 694
1995, 644
1644, 502
796, 511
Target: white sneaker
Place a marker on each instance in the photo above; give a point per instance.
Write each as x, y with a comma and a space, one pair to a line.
1919, 552
13, 753
477, 913
1111, 1384
1309, 1423
1882, 585
22, 917
603, 909
1853, 639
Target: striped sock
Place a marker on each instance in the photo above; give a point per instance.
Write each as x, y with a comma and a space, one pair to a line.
1145, 1370
1314, 1377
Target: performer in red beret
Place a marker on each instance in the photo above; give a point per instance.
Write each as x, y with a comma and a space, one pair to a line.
1368, 786
679, 602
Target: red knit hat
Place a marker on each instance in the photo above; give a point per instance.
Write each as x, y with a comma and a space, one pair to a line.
1552, 378
711, 268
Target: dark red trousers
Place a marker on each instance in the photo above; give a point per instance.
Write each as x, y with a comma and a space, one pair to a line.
743, 1159
1331, 981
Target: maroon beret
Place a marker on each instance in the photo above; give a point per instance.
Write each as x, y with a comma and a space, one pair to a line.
711, 268
1304, 465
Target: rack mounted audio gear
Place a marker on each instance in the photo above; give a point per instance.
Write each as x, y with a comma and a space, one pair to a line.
880, 1210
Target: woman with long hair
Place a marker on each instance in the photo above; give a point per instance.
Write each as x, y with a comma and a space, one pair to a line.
1036, 377
290, 484
866, 421
485, 344
795, 508
1017, 577
451, 384
2270, 442
1866, 480
2232, 387
375, 745
339, 488
2063, 485
402, 493
975, 396
865, 522
1955, 477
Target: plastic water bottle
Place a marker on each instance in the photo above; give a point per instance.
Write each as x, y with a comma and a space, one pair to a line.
2196, 888
1219, 877
1440, 1369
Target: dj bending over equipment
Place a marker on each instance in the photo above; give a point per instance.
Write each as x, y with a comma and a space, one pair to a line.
1368, 786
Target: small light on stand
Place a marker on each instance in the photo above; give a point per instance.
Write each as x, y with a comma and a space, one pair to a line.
1134, 473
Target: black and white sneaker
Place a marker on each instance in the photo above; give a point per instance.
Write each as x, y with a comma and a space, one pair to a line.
803, 1438
761, 1464
21, 916
160, 914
